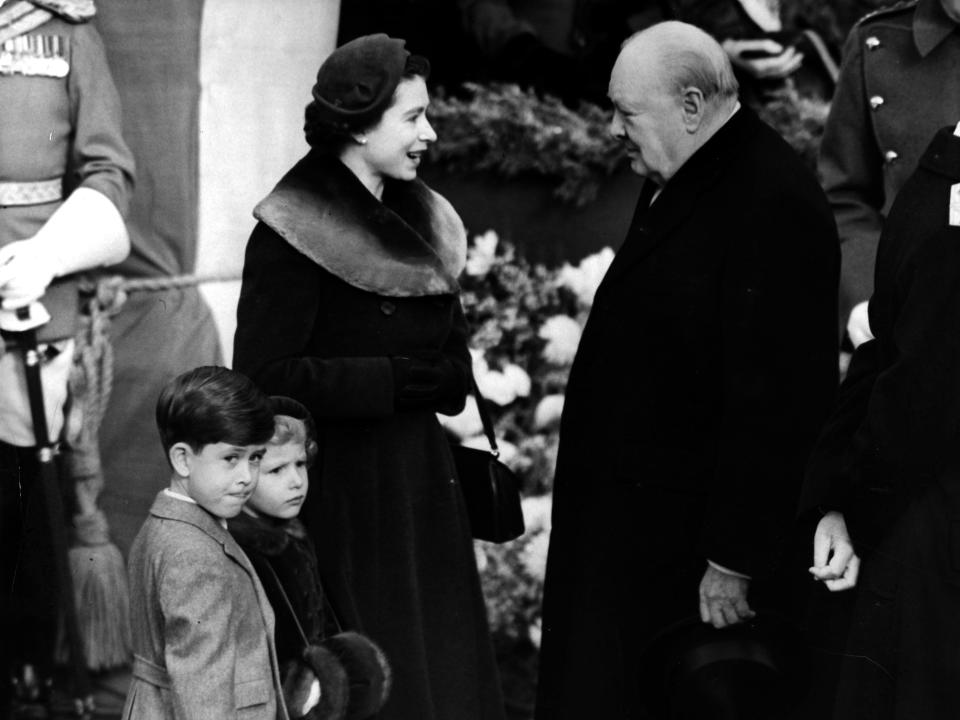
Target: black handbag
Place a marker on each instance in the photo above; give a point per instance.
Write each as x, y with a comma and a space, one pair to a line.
490, 489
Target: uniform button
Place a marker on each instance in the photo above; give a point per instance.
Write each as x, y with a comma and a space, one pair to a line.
872, 42
579, 39
891, 156
387, 307
875, 102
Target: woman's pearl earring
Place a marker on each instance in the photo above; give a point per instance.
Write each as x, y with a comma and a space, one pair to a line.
362, 140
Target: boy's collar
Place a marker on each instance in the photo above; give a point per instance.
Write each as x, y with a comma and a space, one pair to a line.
179, 495
182, 498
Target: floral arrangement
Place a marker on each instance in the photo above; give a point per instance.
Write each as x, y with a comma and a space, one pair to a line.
526, 320
510, 132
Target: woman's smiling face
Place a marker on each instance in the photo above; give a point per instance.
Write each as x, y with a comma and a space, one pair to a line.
394, 146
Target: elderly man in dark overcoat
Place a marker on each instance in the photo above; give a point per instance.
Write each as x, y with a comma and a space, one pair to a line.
705, 370
886, 471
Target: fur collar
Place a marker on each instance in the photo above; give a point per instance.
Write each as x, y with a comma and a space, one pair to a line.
413, 243
265, 536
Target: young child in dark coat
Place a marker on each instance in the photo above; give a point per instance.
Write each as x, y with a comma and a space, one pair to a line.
327, 674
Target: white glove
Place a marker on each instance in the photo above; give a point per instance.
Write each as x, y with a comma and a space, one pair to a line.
85, 232
26, 269
858, 326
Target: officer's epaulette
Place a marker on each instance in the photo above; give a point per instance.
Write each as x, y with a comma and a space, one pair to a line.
886, 11
76, 11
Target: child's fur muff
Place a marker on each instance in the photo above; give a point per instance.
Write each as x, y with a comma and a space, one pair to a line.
353, 673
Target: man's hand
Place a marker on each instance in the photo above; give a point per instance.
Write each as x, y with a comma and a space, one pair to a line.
26, 269
858, 325
774, 61
723, 598
834, 561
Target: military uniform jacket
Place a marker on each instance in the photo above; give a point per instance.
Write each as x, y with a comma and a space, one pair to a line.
60, 125
898, 85
202, 625
59, 119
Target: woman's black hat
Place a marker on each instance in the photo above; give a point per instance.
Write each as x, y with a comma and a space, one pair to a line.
355, 84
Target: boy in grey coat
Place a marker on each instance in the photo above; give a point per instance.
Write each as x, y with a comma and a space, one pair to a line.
202, 625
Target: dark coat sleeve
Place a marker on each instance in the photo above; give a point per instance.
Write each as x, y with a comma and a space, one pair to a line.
901, 437
778, 375
827, 482
279, 300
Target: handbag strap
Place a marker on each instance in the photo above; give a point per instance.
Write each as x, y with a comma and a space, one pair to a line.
287, 603
485, 418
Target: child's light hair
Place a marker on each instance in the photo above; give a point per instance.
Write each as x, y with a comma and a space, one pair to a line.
287, 429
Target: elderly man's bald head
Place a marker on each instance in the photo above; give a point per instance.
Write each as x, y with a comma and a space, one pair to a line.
680, 56
672, 88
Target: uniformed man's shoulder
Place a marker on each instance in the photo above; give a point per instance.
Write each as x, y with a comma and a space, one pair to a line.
901, 11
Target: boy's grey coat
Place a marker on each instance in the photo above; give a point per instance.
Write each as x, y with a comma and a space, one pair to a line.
202, 625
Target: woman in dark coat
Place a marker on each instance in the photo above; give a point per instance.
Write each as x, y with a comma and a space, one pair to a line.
350, 305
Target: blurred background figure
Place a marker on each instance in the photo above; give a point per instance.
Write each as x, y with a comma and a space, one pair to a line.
771, 43
562, 47
431, 28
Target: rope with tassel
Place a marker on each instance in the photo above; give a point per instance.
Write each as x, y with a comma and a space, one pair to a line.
97, 566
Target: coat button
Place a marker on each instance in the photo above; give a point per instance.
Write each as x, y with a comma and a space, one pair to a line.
579, 39
891, 156
387, 307
875, 102
872, 42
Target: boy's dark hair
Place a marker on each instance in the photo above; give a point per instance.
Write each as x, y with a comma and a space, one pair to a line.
212, 404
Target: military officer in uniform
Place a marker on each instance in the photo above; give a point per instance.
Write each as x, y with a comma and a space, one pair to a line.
66, 175
898, 85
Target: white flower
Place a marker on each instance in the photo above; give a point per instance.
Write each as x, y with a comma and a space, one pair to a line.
584, 279
562, 334
535, 632
467, 423
502, 386
548, 412
480, 255
481, 557
536, 513
534, 555
519, 378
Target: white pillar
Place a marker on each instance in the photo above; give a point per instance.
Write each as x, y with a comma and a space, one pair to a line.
258, 61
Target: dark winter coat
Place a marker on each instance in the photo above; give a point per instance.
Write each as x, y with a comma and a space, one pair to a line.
889, 459
283, 548
703, 375
336, 283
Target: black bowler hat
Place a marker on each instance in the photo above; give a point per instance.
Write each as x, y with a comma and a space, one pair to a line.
756, 670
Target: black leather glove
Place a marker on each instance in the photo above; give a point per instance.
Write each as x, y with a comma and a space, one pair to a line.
424, 383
